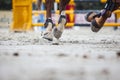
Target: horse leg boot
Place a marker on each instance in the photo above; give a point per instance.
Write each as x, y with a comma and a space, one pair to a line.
57, 31
98, 22
48, 23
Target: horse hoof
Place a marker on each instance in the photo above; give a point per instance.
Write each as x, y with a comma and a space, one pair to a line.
56, 33
48, 36
94, 26
90, 16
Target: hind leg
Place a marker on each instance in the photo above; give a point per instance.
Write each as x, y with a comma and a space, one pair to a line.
98, 20
111, 5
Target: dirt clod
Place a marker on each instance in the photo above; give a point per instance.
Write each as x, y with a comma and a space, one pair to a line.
85, 56
101, 57
29, 54
62, 55
15, 54
105, 71
118, 54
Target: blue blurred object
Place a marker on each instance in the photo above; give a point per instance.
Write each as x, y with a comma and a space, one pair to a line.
41, 18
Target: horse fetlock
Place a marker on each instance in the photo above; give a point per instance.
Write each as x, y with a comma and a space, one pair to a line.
48, 22
62, 22
49, 27
90, 16
62, 19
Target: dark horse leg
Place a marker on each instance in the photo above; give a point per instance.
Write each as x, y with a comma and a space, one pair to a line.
52, 31
98, 20
48, 23
57, 31
39, 4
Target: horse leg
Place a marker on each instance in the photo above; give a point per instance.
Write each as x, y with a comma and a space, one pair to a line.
48, 23
57, 31
92, 15
98, 20
39, 4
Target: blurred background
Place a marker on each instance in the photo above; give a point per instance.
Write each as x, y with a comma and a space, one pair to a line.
5, 4
80, 5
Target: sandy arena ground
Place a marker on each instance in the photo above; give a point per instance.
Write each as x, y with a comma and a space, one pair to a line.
81, 55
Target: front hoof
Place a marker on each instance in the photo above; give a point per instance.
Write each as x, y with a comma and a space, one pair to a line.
47, 35
90, 16
95, 27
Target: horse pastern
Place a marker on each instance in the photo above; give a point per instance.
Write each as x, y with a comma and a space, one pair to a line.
61, 18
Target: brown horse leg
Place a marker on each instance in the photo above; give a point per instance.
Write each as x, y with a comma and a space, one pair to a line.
63, 4
48, 23
48, 5
117, 1
39, 4
98, 21
91, 15
57, 32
